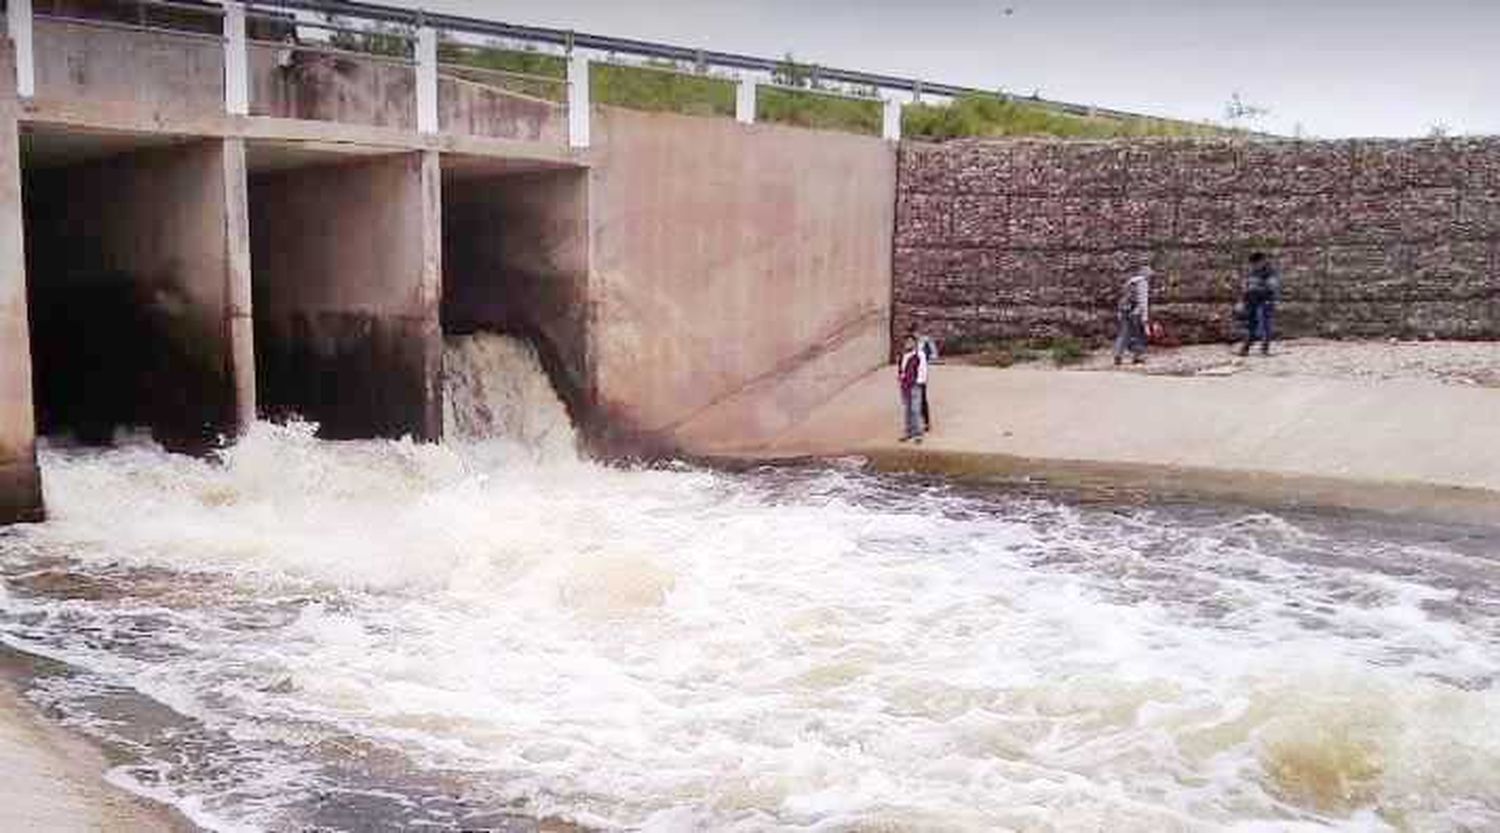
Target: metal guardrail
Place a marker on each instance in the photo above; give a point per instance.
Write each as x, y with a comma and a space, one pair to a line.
416, 33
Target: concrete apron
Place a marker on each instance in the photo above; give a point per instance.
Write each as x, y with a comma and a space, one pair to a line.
1138, 482
1405, 449
1144, 483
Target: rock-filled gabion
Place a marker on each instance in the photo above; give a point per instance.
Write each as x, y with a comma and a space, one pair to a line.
1029, 239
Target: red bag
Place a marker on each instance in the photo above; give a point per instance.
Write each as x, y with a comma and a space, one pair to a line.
1156, 333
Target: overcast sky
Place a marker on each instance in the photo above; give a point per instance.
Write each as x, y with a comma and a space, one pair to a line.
1329, 67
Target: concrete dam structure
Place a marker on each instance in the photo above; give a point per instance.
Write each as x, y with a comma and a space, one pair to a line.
324, 349
186, 253
209, 219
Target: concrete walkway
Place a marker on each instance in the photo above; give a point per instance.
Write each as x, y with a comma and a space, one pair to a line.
52, 781
1401, 445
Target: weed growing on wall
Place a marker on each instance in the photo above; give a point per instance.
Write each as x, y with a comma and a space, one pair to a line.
977, 116
657, 87
818, 110
520, 61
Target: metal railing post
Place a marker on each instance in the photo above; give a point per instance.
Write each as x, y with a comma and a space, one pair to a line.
578, 101
890, 123
427, 80
236, 60
18, 22
744, 101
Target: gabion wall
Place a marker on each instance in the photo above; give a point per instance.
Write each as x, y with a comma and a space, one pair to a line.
1029, 239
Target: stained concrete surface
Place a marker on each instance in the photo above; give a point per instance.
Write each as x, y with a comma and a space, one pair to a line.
346, 266
727, 257
131, 277
174, 74
181, 74
53, 781
20, 484
1411, 445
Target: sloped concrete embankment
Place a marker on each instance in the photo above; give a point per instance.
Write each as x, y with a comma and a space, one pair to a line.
1396, 446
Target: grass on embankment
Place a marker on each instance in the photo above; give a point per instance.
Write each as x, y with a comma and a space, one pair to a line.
798, 98
802, 101
979, 116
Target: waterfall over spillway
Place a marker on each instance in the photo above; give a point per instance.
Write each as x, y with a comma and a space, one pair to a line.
496, 391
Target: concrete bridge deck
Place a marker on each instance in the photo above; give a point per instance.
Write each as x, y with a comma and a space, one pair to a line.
1404, 446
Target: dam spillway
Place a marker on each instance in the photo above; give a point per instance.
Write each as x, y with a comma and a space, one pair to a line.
384, 589
306, 258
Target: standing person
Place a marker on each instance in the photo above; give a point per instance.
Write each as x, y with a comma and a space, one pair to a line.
1262, 287
928, 348
911, 373
1133, 313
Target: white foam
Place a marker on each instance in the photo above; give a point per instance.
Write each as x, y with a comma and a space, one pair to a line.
676, 649
495, 392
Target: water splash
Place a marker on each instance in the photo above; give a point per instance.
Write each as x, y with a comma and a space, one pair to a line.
411, 632
496, 391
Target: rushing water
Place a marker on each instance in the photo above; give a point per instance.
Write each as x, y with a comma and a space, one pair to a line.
385, 635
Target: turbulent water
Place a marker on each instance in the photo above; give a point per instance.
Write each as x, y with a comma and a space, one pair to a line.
496, 394
386, 635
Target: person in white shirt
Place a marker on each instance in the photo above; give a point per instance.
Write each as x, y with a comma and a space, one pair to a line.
1133, 312
911, 374
929, 352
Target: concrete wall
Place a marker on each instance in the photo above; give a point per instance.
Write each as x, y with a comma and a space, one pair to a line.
346, 279
138, 283
170, 75
1376, 238
299, 84
287, 82
472, 109
515, 259
741, 274
20, 486
181, 75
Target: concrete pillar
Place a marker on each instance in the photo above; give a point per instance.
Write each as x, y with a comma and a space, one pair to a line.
427, 80
236, 60
241, 320
144, 252
18, 24
428, 323
347, 261
744, 101
890, 125
578, 101
20, 485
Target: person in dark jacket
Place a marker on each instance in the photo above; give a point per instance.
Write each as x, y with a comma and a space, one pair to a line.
1262, 289
911, 373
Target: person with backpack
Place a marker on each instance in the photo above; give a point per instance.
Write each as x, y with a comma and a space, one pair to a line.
1133, 315
1262, 289
911, 374
928, 348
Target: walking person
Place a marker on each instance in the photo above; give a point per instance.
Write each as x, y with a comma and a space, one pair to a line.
911, 373
1133, 315
1262, 288
928, 348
